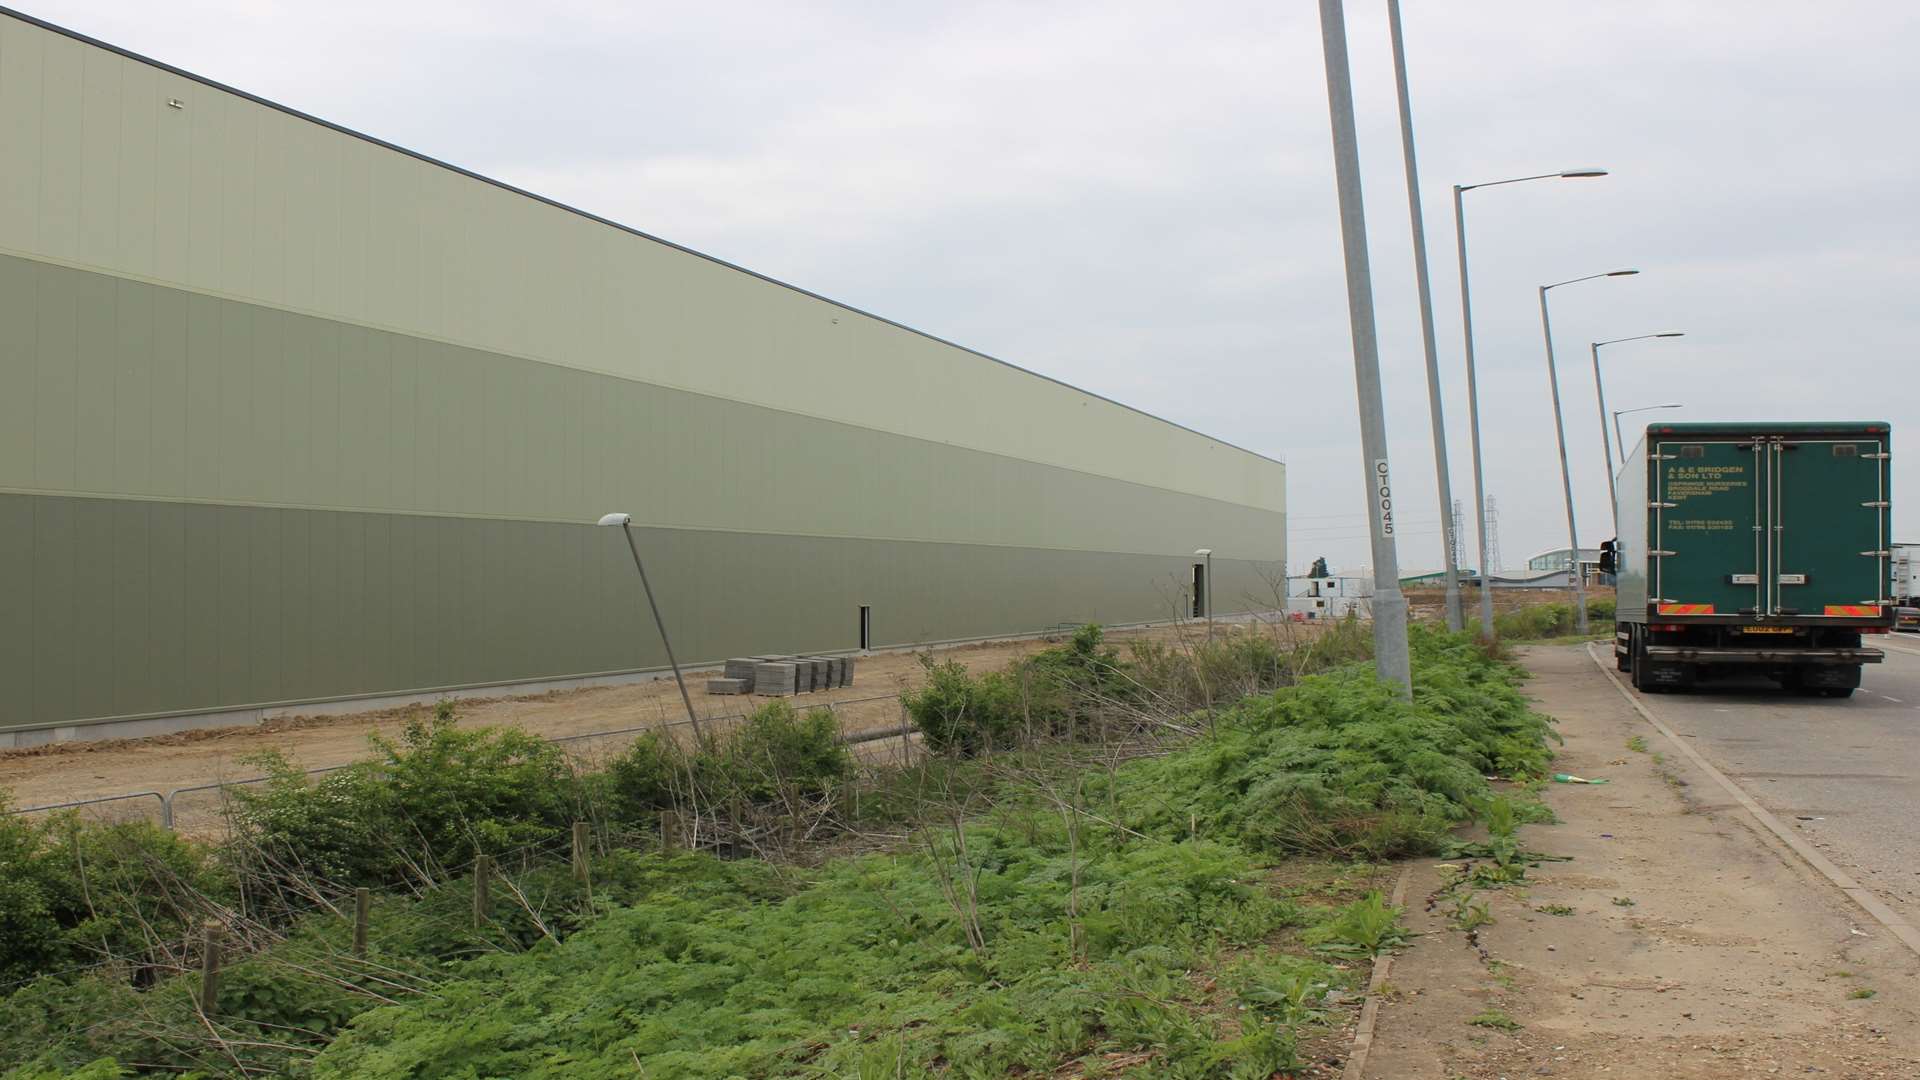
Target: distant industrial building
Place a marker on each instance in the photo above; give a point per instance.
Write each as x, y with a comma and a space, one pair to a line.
290, 415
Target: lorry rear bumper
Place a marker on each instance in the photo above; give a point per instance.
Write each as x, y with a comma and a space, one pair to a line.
1692, 654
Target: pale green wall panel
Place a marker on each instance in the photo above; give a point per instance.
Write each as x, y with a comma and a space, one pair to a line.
245, 404
232, 197
19, 372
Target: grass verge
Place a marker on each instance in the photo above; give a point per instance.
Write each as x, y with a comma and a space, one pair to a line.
1088, 910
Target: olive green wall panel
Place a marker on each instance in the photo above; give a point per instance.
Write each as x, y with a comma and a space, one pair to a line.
137, 607
110, 386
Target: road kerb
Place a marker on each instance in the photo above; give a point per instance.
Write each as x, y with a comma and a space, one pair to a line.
1858, 893
1356, 1066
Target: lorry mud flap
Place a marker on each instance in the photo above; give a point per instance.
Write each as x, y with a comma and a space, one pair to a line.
1830, 677
1660, 676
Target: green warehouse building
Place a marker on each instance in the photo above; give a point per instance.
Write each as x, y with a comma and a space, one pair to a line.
291, 417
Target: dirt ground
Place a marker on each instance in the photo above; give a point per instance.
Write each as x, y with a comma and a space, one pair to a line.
1697, 946
82, 770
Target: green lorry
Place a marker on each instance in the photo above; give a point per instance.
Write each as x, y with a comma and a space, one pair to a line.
1755, 549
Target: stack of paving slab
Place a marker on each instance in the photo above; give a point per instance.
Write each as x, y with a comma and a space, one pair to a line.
779, 676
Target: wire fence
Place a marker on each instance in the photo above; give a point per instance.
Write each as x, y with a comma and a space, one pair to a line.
903, 731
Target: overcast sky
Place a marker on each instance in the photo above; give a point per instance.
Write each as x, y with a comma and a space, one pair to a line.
1138, 198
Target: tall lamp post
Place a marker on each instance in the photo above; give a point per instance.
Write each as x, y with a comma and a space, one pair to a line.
1456, 619
1391, 659
1618, 413
1600, 393
1560, 433
625, 522
1473, 386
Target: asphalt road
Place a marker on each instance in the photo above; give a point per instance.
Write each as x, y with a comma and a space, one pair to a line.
1845, 772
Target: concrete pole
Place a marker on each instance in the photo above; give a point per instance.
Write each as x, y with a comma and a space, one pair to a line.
1473, 417
1606, 441
692, 718
1566, 477
1456, 619
1391, 658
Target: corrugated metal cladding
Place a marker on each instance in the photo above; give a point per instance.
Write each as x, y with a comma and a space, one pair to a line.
287, 415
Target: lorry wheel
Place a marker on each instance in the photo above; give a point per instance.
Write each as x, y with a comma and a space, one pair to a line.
1836, 691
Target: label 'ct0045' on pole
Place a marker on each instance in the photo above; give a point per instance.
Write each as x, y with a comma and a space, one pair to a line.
1383, 495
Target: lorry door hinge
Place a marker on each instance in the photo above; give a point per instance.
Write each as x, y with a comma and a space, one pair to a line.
1878, 554
1661, 554
1661, 506
1666, 457
1878, 504
1793, 579
1878, 457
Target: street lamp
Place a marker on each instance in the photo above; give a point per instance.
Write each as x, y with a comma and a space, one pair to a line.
1618, 413
625, 522
1450, 543
1391, 659
1473, 388
1206, 587
1560, 433
1600, 393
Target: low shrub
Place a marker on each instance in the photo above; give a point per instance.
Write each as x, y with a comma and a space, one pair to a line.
74, 894
431, 801
780, 752
777, 753
958, 712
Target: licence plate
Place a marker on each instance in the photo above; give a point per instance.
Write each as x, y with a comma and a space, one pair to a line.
1766, 629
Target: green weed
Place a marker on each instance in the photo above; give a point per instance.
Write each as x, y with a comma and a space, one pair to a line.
1495, 1018
1637, 744
1364, 927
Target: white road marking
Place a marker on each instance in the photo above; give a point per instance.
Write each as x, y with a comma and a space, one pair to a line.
1895, 700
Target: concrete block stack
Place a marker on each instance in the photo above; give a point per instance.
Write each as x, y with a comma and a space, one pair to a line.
778, 676
775, 679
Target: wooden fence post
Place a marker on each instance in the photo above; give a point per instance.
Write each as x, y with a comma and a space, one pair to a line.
362, 918
482, 889
582, 871
210, 968
672, 834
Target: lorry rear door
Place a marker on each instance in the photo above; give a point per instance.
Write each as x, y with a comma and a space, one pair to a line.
1829, 524
1708, 511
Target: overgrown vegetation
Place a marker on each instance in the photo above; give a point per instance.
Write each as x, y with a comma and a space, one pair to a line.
1078, 877
1340, 764
1543, 622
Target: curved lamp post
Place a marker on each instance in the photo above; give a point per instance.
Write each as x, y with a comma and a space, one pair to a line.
1618, 413
1473, 387
1600, 393
625, 523
1560, 434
